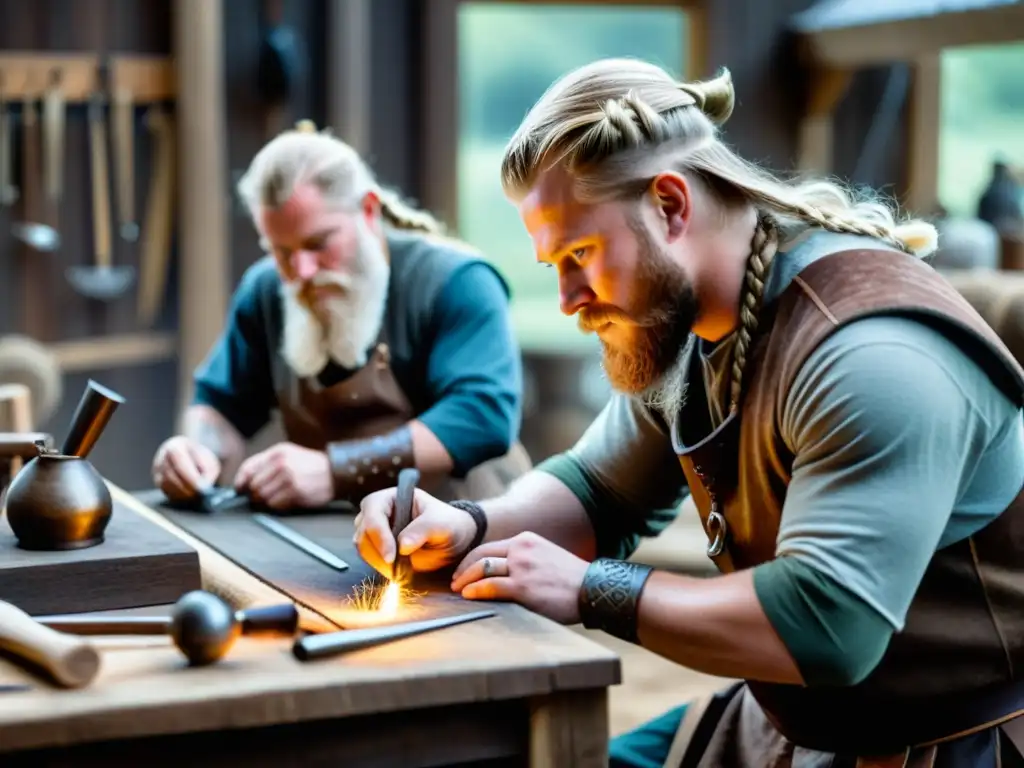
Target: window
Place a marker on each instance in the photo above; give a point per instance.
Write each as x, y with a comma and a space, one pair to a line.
982, 120
509, 53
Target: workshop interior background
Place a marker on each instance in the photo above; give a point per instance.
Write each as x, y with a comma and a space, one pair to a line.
891, 93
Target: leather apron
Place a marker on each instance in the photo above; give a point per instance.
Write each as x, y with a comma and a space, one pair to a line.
369, 403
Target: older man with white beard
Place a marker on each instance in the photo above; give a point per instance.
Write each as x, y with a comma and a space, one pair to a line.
381, 344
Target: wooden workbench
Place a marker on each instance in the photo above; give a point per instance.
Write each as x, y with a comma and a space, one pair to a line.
511, 690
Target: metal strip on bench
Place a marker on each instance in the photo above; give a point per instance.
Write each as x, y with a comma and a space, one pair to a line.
306, 580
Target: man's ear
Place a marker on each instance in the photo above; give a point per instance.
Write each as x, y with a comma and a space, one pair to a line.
670, 194
371, 209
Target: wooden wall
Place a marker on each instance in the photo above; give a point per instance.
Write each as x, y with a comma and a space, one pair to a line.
35, 296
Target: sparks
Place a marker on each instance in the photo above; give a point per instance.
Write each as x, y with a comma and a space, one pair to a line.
391, 599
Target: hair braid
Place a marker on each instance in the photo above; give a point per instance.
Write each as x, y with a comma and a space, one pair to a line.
403, 216
763, 247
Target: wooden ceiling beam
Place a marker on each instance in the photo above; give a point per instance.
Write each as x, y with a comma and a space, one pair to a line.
911, 39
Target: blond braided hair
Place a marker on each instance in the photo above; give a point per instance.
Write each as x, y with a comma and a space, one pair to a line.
616, 124
335, 168
763, 248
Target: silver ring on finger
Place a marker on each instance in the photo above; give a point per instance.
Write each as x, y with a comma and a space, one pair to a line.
490, 568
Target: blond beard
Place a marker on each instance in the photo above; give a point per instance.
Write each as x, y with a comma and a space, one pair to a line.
349, 324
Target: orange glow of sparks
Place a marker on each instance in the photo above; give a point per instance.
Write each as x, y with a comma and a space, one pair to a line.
375, 603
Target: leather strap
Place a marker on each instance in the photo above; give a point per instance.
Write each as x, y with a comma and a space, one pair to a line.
479, 517
694, 713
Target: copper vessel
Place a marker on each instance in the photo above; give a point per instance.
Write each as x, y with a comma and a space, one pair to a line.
58, 501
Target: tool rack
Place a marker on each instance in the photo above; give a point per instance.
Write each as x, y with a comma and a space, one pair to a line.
82, 78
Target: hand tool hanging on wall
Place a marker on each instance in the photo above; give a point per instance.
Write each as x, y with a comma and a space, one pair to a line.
124, 142
102, 281
8, 191
156, 237
70, 661
32, 232
37, 316
53, 147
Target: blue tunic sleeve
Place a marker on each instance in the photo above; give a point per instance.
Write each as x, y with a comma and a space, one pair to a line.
474, 371
235, 378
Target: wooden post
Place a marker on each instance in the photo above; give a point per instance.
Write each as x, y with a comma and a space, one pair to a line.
439, 146
815, 145
203, 250
348, 72
922, 172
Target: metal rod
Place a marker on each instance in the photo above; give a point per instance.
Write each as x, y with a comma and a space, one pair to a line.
112, 625
299, 541
334, 643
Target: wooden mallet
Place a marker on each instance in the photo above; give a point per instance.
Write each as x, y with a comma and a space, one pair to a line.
71, 661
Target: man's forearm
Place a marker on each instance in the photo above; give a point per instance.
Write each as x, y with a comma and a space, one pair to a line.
715, 625
208, 428
540, 503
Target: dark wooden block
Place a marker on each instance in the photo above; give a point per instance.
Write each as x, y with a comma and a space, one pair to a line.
138, 564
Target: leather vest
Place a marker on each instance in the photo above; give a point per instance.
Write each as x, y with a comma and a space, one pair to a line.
964, 632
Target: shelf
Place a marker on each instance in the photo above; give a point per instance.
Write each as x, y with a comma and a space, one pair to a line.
28, 75
118, 351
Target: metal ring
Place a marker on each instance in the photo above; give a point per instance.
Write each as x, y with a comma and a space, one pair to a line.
716, 528
487, 567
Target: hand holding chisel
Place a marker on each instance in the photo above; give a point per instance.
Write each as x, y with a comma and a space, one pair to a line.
401, 571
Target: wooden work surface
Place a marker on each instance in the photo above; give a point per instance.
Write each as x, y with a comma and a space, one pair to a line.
137, 564
515, 689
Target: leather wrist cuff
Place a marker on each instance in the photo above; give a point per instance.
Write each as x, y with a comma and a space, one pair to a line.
361, 467
479, 517
610, 597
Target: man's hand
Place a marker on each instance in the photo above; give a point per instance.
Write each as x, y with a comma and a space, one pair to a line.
287, 476
182, 468
525, 569
437, 536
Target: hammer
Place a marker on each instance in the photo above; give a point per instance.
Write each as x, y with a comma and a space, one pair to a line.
70, 661
203, 626
103, 281
401, 572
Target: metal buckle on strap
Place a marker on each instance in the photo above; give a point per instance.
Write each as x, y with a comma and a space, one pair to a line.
716, 531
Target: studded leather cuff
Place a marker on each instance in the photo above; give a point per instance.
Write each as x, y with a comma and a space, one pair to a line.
610, 597
361, 467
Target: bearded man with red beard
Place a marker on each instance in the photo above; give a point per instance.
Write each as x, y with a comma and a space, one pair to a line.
847, 427
381, 344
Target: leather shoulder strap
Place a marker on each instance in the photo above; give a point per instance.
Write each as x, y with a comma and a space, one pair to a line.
851, 285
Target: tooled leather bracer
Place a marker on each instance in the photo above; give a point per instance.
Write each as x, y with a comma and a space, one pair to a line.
964, 632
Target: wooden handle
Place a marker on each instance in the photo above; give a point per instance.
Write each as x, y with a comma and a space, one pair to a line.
30, 165
71, 661
100, 185
53, 141
8, 194
124, 140
156, 243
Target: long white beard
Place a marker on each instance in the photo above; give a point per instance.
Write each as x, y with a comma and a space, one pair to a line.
353, 321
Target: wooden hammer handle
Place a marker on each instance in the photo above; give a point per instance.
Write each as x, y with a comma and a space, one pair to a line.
100, 184
157, 237
71, 661
124, 140
30, 185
